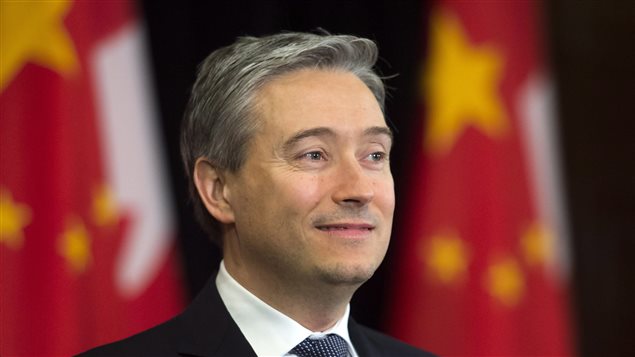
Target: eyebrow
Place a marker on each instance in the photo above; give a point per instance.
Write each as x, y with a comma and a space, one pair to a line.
379, 130
319, 131
324, 131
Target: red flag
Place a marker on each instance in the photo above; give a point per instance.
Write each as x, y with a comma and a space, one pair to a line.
480, 269
86, 229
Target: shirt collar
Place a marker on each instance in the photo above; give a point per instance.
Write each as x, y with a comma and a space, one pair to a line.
268, 331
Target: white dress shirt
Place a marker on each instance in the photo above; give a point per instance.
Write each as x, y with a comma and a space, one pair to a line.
268, 331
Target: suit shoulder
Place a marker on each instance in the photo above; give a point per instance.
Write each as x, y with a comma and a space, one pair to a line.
160, 340
390, 346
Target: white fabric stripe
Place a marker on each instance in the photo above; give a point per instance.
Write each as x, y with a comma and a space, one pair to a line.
537, 116
127, 117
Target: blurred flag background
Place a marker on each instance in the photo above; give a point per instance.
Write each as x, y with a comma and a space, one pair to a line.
513, 169
483, 252
87, 226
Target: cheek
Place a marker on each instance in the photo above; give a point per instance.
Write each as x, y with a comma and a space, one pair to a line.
385, 195
304, 191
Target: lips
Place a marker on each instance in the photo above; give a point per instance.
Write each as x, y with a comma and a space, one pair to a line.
346, 227
347, 231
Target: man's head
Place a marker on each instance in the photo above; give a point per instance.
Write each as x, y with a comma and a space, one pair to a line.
285, 142
220, 120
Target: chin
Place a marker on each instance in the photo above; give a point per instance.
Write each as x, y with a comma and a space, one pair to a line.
348, 274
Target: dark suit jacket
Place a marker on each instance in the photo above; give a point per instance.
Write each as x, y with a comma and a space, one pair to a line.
205, 328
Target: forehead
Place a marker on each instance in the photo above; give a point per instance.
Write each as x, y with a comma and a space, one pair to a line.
312, 98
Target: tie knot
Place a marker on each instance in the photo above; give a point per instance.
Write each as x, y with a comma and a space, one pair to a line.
331, 345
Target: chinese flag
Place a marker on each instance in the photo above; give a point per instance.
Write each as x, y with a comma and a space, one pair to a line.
86, 228
481, 261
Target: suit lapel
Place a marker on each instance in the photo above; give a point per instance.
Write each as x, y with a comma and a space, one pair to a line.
362, 344
207, 329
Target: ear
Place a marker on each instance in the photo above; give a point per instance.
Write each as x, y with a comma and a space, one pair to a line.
211, 186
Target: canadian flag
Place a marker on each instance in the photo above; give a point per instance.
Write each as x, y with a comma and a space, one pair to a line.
86, 224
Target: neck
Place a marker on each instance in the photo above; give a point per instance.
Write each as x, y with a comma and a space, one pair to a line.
315, 305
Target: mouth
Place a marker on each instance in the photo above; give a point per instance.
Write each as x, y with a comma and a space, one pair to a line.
345, 227
347, 230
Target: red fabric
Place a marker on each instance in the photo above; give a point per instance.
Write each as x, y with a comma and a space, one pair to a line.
51, 163
478, 192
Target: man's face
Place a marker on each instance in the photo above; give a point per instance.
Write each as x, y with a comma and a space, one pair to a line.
314, 200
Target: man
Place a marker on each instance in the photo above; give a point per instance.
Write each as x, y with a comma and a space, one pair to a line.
286, 147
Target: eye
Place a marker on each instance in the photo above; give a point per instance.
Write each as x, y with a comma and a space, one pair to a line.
313, 156
378, 156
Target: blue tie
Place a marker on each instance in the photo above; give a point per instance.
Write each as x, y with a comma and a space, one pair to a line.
330, 346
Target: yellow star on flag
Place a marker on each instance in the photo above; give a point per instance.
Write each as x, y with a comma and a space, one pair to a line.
104, 206
74, 245
13, 218
33, 31
446, 257
536, 246
505, 281
462, 86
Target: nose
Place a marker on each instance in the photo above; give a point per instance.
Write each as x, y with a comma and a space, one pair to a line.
354, 187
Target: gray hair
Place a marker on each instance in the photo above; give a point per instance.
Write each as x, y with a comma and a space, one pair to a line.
219, 120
